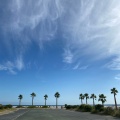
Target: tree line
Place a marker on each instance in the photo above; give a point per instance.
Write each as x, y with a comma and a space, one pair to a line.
33, 95
101, 98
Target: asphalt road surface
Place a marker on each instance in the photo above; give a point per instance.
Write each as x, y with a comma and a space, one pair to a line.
53, 114
13, 115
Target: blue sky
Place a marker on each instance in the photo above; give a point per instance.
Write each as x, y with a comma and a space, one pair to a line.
69, 46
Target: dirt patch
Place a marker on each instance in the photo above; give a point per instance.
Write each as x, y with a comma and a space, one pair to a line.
2, 112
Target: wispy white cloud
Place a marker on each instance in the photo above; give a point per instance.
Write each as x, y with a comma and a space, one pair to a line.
79, 66
8, 66
38, 19
83, 67
12, 67
88, 27
19, 63
68, 56
114, 64
35, 23
117, 77
94, 30
2, 67
76, 66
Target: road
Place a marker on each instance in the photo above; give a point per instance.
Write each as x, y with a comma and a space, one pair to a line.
53, 114
13, 115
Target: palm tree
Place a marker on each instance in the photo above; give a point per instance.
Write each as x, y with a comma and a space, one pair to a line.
102, 98
57, 95
20, 97
81, 96
86, 96
33, 95
93, 96
114, 91
45, 96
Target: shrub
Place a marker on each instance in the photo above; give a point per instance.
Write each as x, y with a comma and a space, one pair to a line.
19, 106
1, 106
88, 108
32, 106
116, 113
68, 107
85, 108
109, 111
81, 107
65, 105
99, 107
75, 106
44, 106
71, 106
94, 110
106, 111
8, 106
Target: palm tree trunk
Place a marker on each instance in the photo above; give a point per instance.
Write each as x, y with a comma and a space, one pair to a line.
115, 102
86, 101
93, 102
56, 103
19, 102
45, 102
32, 101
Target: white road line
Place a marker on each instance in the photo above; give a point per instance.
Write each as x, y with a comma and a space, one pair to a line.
20, 115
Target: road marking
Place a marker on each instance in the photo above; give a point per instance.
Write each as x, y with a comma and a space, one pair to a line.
21, 114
